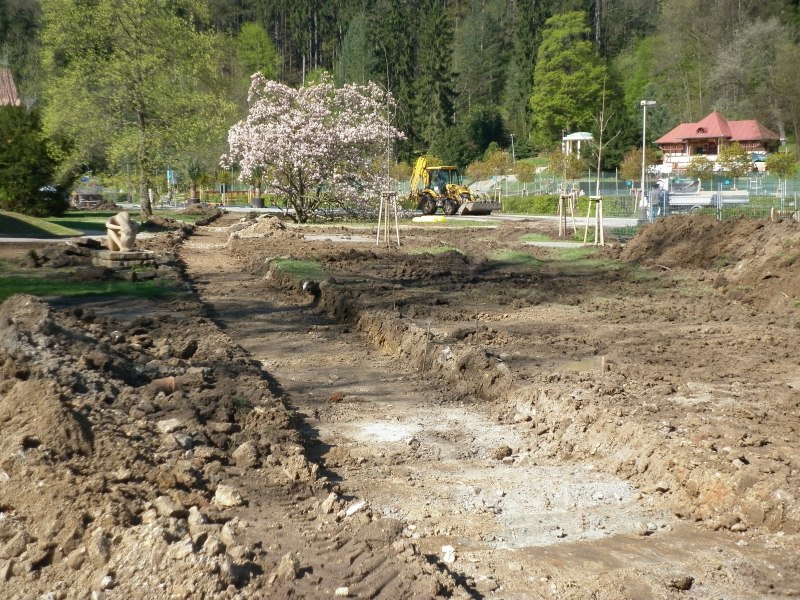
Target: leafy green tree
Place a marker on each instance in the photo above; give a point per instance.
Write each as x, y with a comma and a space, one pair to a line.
468, 139
568, 79
734, 161
528, 24
781, 164
142, 81
256, 52
631, 166
700, 168
27, 170
568, 166
392, 34
787, 86
20, 22
742, 75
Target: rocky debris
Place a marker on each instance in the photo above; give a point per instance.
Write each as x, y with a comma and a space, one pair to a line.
104, 466
502, 452
227, 496
681, 582
288, 568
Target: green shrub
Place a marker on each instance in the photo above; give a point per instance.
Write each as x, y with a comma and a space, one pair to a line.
27, 171
531, 205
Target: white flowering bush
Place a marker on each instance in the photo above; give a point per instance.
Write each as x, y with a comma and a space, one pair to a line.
316, 144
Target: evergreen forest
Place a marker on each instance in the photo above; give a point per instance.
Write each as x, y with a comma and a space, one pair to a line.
159, 82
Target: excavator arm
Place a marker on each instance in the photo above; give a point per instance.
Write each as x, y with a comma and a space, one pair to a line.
420, 174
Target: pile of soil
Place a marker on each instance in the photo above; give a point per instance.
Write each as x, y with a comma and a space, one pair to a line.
651, 376
750, 260
258, 227
143, 454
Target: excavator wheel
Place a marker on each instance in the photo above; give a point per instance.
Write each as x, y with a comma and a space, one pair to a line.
428, 205
450, 207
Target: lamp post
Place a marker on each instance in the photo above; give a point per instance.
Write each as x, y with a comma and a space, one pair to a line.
644, 104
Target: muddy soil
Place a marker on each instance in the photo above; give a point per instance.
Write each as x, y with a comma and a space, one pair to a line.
467, 416
547, 425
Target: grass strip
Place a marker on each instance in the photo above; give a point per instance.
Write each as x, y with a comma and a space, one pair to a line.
434, 250
515, 257
39, 286
302, 269
24, 226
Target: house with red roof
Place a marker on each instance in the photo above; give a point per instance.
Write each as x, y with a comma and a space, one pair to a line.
707, 136
8, 91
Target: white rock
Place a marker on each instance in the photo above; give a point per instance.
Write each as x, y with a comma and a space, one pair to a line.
354, 508
227, 496
448, 555
169, 425
107, 582
327, 505
342, 592
167, 507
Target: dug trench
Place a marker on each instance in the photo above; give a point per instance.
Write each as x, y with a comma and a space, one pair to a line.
542, 426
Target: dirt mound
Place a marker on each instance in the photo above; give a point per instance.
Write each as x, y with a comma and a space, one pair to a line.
261, 226
34, 415
147, 457
752, 260
199, 209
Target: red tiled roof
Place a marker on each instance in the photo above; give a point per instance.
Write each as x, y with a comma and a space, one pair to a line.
8, 91
714, 126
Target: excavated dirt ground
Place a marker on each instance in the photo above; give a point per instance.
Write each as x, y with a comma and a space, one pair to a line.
506, 421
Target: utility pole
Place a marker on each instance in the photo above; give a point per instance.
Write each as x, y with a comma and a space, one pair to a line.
644, 104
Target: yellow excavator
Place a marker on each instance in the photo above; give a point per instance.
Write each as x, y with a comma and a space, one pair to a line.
442, 187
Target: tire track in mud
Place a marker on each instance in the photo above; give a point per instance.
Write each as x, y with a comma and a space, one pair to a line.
437, 460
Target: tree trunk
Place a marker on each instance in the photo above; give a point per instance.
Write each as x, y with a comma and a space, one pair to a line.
144, 197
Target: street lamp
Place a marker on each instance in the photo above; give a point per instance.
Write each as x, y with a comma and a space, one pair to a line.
644, 104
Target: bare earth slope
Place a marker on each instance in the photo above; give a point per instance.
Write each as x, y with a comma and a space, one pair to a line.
549, 427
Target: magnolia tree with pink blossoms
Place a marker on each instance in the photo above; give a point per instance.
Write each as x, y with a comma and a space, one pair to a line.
314, 144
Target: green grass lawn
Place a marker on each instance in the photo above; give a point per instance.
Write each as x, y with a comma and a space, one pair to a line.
24, 226
514, 257
71, 224
301, 269
49, 287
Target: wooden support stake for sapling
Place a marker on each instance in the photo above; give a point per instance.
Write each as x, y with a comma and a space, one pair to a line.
425, 353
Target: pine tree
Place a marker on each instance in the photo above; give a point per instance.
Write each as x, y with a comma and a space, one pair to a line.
530, 18
354, 57
568, 79
392, 44
479, 57
434, 93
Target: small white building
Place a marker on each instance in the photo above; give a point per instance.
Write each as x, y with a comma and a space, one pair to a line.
571, 143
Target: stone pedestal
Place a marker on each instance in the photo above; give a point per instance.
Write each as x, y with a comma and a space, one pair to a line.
123, 260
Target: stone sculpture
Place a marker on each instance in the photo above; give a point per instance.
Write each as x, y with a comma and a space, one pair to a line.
121, 232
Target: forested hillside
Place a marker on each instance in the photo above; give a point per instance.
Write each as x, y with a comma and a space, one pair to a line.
464, 72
